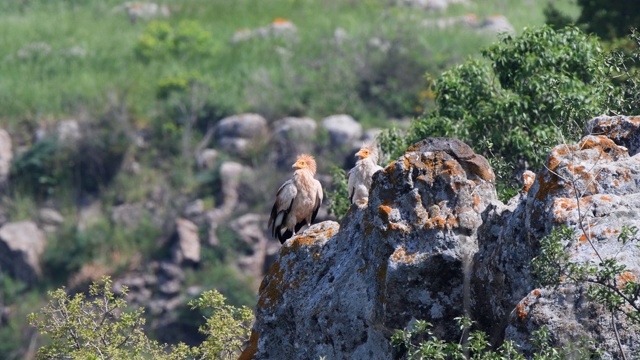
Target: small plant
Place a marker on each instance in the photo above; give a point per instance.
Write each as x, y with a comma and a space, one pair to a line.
339, 195
418, 342
162, 41
227, 329
610, 283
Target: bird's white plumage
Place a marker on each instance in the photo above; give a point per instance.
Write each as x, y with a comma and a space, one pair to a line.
360, 176
297, 200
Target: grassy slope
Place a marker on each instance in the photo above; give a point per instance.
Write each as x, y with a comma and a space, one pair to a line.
58, 85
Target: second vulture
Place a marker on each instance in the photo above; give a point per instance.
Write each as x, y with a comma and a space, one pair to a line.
360, 176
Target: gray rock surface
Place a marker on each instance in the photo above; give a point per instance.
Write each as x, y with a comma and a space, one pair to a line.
290, 137
339, 291
236, 134
6, 156
21, 247
187, 247
434, 243
342, 129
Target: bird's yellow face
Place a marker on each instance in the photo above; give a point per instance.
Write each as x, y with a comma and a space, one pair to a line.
299, 164
363, 153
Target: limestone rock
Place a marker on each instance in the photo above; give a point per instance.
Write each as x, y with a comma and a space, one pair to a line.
187, 247
128, 215
143, 10
6, 156
253, 237
623, 130
339, 291
342, 129
434, 243
237, 134
290, 137
21, 247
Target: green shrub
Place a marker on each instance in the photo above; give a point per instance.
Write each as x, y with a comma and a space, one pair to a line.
418, 342
162, 41
100, 327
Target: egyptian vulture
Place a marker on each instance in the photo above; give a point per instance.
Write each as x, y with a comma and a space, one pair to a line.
297, 200
360, 176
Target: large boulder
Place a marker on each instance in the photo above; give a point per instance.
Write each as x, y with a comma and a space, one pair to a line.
338, 291
21, 247
343, 130
290, 137
238, 133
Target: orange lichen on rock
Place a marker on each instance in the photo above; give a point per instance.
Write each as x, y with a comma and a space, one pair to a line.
252, 348
384, 211
536, 292
549, 184
272, 287
624, 278
401, 256
520, 311
583, 238
529, 178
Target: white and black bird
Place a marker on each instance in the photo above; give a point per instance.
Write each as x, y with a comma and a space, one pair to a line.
361, 175
297, 200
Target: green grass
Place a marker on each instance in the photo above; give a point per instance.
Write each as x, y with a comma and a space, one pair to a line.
316, 80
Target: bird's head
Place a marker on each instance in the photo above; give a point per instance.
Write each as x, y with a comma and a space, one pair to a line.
305, 161
368, 151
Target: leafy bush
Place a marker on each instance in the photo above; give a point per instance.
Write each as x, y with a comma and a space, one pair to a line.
529, 93
99, 327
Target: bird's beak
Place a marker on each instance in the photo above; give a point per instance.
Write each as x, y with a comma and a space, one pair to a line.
359, 154
293, 166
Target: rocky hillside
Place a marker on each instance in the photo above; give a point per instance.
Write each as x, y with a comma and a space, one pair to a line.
434, 243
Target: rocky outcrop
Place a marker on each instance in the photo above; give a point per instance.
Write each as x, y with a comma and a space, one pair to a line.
434, 243
21, 247
339, 291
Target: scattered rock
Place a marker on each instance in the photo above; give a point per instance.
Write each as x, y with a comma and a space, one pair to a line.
292, 136
495, 24
50, 219
207, 159
432, 5
237, 134
34, 50
6, 156
342, 129
280, 28
128, 215
187, 247
21, 247
251, 232
68, 132
143, 10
